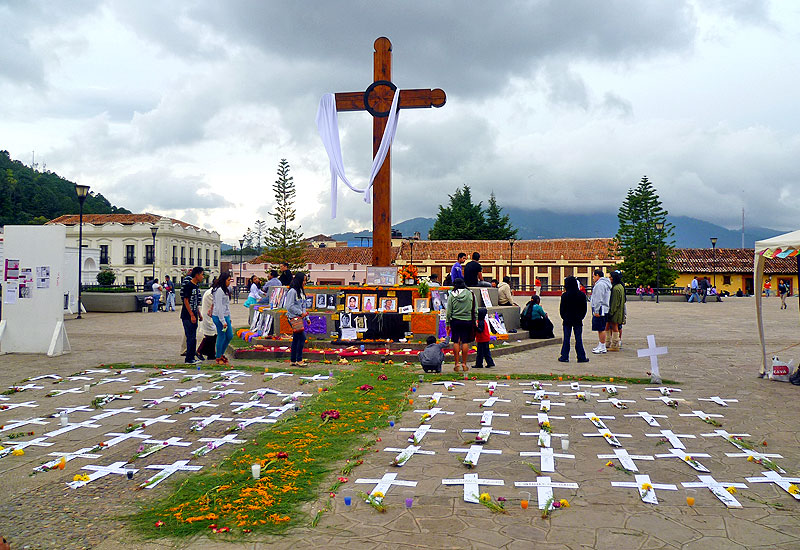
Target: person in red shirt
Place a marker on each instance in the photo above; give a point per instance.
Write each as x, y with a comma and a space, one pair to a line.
482, 337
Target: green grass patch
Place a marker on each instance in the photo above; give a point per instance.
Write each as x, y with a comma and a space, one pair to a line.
227, 496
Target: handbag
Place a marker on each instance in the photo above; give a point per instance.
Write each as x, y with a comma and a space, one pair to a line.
296, 323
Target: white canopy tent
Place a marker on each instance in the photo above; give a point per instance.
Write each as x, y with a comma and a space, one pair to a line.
782, 246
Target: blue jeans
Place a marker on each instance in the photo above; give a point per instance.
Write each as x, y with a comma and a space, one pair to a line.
224, 335
156, 300
298, 342
579, 351
694, 297
190, 329
170, 302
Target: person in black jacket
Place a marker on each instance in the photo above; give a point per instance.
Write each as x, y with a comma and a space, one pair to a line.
573, 310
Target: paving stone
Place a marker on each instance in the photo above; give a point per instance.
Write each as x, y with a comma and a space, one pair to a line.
713, 543
749, 533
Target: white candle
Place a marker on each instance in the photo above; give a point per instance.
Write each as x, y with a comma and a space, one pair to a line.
564, 444
256, 469
64, 419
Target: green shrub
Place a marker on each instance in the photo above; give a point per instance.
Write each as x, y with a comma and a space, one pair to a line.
106, 277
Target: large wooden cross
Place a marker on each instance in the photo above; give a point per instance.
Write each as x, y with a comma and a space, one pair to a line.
377, 100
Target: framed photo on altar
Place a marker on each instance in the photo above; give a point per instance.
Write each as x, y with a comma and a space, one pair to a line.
344, 321
369, 303
353, 302
382, 276
421, 305
330, 300
322, 301
360, 323
388, 304
276, 297
310, 301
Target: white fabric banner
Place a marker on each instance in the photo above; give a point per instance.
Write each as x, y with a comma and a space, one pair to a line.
328, 127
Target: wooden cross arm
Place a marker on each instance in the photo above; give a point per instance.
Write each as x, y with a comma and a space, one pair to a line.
409, 99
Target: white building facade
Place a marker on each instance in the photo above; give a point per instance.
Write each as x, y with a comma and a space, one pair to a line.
127, 245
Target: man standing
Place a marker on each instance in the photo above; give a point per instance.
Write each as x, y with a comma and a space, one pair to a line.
190, 313
456, 272
286, 275
537, 286
783, 290
601, 296
702, 287
473, 272
695, 287
169, 288
272, 280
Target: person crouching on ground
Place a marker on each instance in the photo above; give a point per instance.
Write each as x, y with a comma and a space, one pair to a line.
482, 337
222, 316
573, 310
432, 357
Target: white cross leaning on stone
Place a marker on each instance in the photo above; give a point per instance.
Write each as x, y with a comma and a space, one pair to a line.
120, 437
718, 400
595, 419
617, 403
538, 395
110, 380
491, 401
274, 375
648, 494
80, 453
58, 393
547, 461
158, 444
474, 453
150, 421
774, 477
544, 490
206, 421
484, 433
212, 443
219, 394
70, 410
420, 432
101, 471
406, 454
625, 459
687, 457
14, 424
759, 457
113, 412
647, 417
610, 438
653, 352
449, 385
316, 377
44, 377
27, 404
385, 483
38, 442
472, 483
718, 489
431, 413
673, 438
167, 470
487, 416
543, 436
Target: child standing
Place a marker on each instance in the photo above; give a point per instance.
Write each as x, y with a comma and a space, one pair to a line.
432, 357
482, 337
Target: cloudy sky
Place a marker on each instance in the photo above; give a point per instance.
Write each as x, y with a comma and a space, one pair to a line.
185, 108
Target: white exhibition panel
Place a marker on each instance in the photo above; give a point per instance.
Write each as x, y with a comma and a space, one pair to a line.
33, 319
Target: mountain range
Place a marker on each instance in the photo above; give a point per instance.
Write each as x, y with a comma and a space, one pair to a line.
548, 224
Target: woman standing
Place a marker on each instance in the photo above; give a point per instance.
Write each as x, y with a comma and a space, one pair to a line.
573, 310
616, 310
296, 313
222, 315
460, 318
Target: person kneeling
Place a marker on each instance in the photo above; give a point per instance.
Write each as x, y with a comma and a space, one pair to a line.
432, 357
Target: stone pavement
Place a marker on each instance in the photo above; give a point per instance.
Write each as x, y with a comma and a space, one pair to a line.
713, 350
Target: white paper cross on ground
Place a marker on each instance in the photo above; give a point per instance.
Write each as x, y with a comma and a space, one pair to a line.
611, 389
538, 395
406, 454
80, 453
128, 371
168, 371
80, 378
120, 437
491, 401
673, 438
487, 416
419, 433
189, 407
280, 411
198, 375
653, 352
26, 387
219, 394
702, 415
255, 420
582, 394
431, 413
158, 444
449, 385
70, 410
647, 495
147, 386
59, 393
212, 443
718, 489
718, 400
777, 479
472, 483
664, 390
110, 380
180, 394
14, 424
274, 375
610, 438
474, 453
617, 403
261, 392
27, 404
150, 421
160, 380
595, 419
294, 396
73, 426
547, 458
626, 460
113, 412
544, 489
649, 418
101, 471
234, 374
97, 371
484, 433
545, 404
541, 417
385, 483
166, 471
667, 400
316, 377
535, 384
242, 407
45, 377
543, 437
435, 397
575, 386
759, 457
492, 386
150, 403
13, 446
687, 457
206, 421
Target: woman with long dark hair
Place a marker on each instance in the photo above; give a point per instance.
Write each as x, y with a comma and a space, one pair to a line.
222, 315
296, 313
616, 310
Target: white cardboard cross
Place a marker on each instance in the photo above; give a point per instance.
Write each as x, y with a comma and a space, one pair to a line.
538, 395
431, 413
212, 443
541, 417
664, 390
281, 410
535, 384
649, 418
198, 375
595, 419
774, 477
58, 393
14, 424
316, 377
652, 352
626, 460
647, 495
110, 380
166, 471
673, 438
150, 403
189, 407
583, 394
150, 421
120, 437
420, 432
543, 436
491, 401
544, 489
617, 403
158, 444
274, 375
147, 386
258, 393
70, 410
206, 421
449, 386
44, 377
255, 420
436, 396
472, 483
180, 394
385, 483
609, 436
664, 399
113, 412
610, 388
39, 442
219, 394
547, 458
491, 386
406, 454
702, 415
545, 404
474, 453
759, 456
294, 396
718, 489
575, 386
688, 458
26, 387
28, 404
718, 400
80, 453
487, 416
73, 426
101, 471
484, 432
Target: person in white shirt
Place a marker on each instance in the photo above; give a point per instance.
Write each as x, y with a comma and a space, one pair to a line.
157, 290
601, 299
207, 348
221, 315
255, 292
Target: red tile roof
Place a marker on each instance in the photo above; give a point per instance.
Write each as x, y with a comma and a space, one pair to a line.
727, 260
538, 250
124, 219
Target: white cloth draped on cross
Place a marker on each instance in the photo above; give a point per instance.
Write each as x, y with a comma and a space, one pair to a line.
328, 127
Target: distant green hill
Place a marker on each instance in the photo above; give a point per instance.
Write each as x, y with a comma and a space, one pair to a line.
31, 197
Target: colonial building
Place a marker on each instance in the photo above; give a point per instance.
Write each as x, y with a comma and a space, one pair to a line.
732, 268
127, 244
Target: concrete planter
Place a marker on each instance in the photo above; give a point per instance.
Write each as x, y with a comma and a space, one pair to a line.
111, 302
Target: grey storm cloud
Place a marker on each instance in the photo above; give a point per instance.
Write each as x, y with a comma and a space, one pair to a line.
159, 189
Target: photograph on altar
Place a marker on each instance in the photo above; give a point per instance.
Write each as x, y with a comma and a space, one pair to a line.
330, 299
344, 320
309, 301
322, 301
276, 297
388, 305
421, 305
369, 303
439, 300
386, 276
360, 323
353, 302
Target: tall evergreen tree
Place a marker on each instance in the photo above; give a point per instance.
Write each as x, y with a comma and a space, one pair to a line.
461, 220
260, 233
284, 244
498, 226
640, 243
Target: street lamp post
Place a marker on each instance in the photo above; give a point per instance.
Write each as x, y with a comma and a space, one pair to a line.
82, 191
154, 230
511, 242
714, 260
241, 257
411, 244
659, 228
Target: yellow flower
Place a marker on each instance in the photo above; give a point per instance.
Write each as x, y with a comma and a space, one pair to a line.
546, 423
687, 457
731, 490
485, 497
609, 463
564, 503
595, 419
646, 487
1, 447
18, 452
80, 477
794, 490
750, 459
607, 435
377, 494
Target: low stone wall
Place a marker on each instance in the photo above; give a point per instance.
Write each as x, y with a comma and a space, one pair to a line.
111, 302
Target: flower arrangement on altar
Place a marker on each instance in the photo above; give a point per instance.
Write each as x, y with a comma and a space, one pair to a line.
409, 272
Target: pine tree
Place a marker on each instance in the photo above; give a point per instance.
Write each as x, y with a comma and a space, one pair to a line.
462, 220
260, 234
498, 226
638, 241
283, 243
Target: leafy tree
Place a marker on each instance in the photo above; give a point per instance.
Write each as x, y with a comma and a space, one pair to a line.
498, 226
640, 243
106, 277
461, 220
284, 244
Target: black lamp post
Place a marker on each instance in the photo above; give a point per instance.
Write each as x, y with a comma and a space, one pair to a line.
241, 256
82, 192
714, 261
511, 242
411, 244
154, 230
659, 228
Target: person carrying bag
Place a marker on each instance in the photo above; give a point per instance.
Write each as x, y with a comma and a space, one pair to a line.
296, 314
